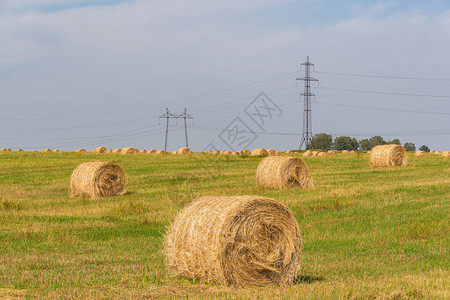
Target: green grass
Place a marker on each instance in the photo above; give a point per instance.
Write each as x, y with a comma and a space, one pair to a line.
367, 232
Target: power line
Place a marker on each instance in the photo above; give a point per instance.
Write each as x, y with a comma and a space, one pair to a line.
385, 76
384, 93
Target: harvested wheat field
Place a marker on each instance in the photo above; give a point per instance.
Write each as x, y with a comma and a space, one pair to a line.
280, 172
239, 241
97, 179
367, 233
388, 156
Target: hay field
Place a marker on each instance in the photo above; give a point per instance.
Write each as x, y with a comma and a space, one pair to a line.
367, 232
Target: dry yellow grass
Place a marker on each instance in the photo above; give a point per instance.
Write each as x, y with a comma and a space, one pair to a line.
97, 179
239, 241
280, 172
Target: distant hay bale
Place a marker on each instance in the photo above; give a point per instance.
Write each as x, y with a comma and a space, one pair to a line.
3, 150
322, 154
238, 241
280, 172
438, 152
420, 153
432, 152
143, 151
160, 152
445, 154
99, 150
388, 156
55, 150
345, 152
330, 151
221, 152
184, 150
315, 153
288, 151
129, 151
259, 152
174, 152
271, 152
116, 150
227, 152
46, 150
353, 151
246, 152
20, 150
80, 150
151, 151
307, 153
109, 151
236, 153
216, 152
97, 179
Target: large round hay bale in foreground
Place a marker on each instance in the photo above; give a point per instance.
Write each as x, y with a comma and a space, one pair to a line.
129, 151
97, 179
184, 150
388, 156
239, 241
420, 153
259, 152
280, 172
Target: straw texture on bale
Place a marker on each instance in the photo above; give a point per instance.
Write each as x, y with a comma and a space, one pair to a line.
259, 152
272, 152
46, 150
116, 150
98, 179
80, 150
239, 241
129, 151
280, 172
420, 153
445, 154
99, 150
307, 153
388, 156
184, 150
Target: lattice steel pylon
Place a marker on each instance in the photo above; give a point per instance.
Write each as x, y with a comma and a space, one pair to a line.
168, 115
307, 120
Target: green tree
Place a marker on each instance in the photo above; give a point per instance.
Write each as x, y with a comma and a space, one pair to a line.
376, 140
409, 147
395, 142
365, 144
321, 141
424, 148
345, 143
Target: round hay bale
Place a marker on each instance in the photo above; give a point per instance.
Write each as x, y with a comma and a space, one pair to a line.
216, 152
432, 152
271, 152
445, 154
4, 150
345, 152
280, 172
80, 150
116, 150
315, 153
143, 151
97, 179
307, 153
259, 152
46, 150
99, 150
288, 151
388, 156
151, 151
353, 151
55, 150
129, 151
330, 151
184, 150
160, 152
109, 151
420, 153
227, 152
438, 152
322, 154
174, 152
236, 153
239, 241
20, 150
246, 152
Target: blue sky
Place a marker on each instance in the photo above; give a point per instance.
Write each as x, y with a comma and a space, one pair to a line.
83, 73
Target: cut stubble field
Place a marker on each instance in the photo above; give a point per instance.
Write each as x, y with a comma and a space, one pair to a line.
367, 232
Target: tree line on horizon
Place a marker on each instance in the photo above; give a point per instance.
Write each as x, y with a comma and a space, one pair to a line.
323, 141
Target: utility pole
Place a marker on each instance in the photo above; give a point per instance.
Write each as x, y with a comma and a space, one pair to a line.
307, 120
168, 115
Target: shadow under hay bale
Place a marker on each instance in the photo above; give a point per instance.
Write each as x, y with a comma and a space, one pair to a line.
98, 179
280, 172
388, 156
239, 241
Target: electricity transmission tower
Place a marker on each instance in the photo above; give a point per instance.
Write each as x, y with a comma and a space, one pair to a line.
307, 121
168, 115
